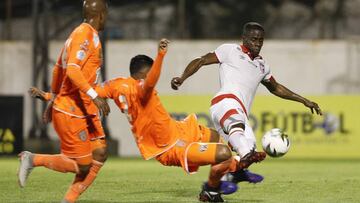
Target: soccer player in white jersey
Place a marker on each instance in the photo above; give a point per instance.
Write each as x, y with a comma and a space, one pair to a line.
241, 69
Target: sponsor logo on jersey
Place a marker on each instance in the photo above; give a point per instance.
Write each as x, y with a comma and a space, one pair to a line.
203, 147
83, 135
84, 46
80, 55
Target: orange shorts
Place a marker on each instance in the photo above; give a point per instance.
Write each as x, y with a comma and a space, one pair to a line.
191, 134
78, 136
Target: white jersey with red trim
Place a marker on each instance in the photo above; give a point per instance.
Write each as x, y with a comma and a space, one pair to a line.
240, 75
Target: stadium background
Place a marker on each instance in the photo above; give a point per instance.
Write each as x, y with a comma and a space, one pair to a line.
312, 47
308, 52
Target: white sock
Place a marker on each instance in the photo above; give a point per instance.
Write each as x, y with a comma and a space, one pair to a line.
239, 142
250, 137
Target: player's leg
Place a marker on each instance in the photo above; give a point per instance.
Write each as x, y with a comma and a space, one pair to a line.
214, 136
246, 151
56, 162
230, 120
99, 154
219, 157
81, 183
65, 162
211, 135
245, 174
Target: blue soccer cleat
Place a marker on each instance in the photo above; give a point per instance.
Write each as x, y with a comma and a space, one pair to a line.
243, 175
227, 187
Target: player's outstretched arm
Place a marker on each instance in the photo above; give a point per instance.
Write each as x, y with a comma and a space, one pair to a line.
193, 67
154, 73
283, 92
39, 94
107, 88
77, 78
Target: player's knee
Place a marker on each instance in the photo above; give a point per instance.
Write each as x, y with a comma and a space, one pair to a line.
237, 126
100, 154
223, 153
214, 136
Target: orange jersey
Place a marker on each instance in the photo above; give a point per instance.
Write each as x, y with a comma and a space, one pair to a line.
150, 123
77, 71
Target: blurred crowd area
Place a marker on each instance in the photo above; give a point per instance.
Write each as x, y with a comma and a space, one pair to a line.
193, 19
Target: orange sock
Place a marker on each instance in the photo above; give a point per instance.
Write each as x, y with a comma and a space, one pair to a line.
80, 185
57, 162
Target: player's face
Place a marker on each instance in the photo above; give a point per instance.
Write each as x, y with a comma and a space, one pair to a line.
254, 40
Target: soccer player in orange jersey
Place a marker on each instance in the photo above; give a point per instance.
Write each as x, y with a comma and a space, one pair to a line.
173, 143
75, 107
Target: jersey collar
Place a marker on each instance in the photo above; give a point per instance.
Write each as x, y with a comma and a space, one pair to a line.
91, 27
247, 52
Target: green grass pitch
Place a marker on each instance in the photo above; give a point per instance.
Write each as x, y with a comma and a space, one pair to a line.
136, 180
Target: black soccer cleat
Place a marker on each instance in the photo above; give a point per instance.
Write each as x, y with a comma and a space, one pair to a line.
209, 194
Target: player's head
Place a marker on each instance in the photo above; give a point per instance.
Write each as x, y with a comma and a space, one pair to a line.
253, 37
140, 66
95, 12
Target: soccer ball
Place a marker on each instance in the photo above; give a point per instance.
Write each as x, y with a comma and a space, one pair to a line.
275, 142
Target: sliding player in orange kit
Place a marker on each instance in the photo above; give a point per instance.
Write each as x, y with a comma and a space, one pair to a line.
173, 143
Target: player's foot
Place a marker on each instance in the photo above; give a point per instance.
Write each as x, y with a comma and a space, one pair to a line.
243, 175
65, 201
251, 157
227, 187
25, 168
209, 194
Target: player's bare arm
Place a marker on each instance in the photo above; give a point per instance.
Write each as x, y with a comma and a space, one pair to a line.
102, 105
44, 96
47, 115
193, 67
283, 92
39, 94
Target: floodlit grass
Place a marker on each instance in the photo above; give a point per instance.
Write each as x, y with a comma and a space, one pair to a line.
136, 180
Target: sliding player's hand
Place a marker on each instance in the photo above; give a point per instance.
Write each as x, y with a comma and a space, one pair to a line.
313, 106
163, 45
47, 115
36, 93
176, 82
102, 105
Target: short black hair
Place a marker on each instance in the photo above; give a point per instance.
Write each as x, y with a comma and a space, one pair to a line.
139, 62
252, 26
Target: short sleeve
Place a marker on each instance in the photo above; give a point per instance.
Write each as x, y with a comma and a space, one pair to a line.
223, 51
268, 73
79, 46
